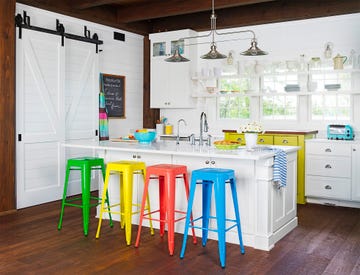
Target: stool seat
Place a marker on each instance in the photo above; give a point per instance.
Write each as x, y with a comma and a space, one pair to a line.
166, 174
213, 178
126, 169
85, 165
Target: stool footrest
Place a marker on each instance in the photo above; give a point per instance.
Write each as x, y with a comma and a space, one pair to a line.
159, 220
192, 225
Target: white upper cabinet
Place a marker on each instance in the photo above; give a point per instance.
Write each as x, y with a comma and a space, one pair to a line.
171, 84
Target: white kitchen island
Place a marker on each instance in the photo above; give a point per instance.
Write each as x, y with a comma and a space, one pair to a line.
267, 212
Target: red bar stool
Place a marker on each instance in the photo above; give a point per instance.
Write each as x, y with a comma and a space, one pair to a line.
166, 174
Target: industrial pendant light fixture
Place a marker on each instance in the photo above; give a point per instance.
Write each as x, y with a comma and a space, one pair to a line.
177, 57
213, 53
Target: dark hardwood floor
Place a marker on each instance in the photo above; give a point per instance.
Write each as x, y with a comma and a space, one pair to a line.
327, 241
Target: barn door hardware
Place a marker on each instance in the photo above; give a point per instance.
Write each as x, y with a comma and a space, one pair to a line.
23, 22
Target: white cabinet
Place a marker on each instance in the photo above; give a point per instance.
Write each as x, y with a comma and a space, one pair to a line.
332, 175
355, 160
171, 84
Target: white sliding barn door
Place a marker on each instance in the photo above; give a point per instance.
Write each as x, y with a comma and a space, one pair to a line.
57, 100
39, 117
81, 102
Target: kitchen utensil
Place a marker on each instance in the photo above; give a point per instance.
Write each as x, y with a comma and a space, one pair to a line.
339, 62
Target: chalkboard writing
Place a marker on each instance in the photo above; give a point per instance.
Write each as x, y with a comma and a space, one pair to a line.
114, 89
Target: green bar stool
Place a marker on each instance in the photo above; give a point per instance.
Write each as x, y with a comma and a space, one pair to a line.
85, 165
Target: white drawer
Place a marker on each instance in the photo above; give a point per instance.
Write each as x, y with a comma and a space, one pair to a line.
328, 149
330, 166
335, 188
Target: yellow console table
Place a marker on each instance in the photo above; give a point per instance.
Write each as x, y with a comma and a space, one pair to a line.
289, 138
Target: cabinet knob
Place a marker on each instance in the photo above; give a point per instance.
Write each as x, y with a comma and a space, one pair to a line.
134, 156
138, 157
285, 141
354, 149
239, 139
207, 162
328, 150
328, 166
261, 140
328, 187
213, 162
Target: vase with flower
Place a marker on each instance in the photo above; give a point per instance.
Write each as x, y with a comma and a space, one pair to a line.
251, 131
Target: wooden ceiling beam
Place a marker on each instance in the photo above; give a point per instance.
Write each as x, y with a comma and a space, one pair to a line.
85, 4
100, 15
271, 12
151, 9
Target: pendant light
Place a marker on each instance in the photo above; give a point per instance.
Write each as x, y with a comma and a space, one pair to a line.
213, 53
177, 57
254, 50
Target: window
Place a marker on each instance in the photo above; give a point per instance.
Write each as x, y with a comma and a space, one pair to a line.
279, 107
234, 107
331, 107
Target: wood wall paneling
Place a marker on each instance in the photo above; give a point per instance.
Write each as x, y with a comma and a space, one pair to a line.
7, 106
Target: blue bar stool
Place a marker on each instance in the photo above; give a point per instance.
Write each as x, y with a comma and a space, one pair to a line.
217, 178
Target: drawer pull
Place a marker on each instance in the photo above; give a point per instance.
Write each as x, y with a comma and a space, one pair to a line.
207, 162
261, 140
328, 187
328, 166
285, 141
134, 156
213, 162
328, 150
239, 139
354, 149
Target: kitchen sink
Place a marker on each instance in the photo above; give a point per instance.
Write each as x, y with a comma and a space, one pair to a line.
173, 137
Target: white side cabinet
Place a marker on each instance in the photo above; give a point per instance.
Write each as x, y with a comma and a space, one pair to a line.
331, 172
355, 163
171, 84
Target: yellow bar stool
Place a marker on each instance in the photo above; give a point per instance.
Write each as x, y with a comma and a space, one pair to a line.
126, 170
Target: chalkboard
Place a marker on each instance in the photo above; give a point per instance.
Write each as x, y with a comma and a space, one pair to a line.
114, 89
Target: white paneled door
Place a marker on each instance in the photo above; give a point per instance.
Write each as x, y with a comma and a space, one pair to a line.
39, 117
81, 102
57, 100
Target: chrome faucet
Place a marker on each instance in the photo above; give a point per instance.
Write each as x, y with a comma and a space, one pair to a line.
178, 131
203, 127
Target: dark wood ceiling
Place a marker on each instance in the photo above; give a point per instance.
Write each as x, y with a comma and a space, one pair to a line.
147, 16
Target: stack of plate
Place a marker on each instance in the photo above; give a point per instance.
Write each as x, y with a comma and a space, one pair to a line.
292, 88
332, 87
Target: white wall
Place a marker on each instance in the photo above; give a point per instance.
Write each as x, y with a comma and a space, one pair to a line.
283, 41
117, 57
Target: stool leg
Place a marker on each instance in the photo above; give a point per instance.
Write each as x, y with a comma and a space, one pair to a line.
85, 184
143, 201
66, 182
170, 210
122, 200
128, 190
147, 207
237, 214
162, 212
107, 194
106, 184
188, 215
186, 181
206, 206
220, 216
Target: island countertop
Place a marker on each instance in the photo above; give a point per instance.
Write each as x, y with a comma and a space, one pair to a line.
281, 132
185, 149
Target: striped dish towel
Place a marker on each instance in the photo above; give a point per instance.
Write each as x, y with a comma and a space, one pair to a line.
280, 168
